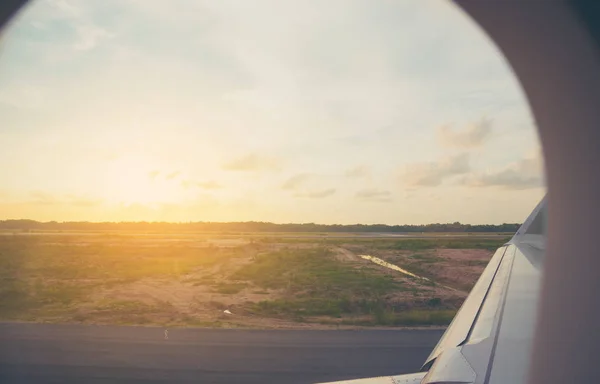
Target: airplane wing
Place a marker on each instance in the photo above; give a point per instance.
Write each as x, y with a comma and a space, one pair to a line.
490, 339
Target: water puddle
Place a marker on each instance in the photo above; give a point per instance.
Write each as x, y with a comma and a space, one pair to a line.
383, 263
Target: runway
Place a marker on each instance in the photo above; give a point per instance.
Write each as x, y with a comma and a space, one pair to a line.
44, 353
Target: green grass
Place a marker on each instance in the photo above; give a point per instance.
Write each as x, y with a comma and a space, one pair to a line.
409, 243
127, 261
286, 307
131, 312
303, 307
52, 278
425, 258
434, 302
314, 273
423, 244
306, 307
315, 284
408, 318
41, 274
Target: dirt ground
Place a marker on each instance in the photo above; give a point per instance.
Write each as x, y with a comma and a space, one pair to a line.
460, 267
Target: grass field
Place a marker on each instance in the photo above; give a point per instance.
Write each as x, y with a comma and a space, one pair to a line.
264, 281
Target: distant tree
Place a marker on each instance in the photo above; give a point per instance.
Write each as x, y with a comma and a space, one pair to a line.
251, 226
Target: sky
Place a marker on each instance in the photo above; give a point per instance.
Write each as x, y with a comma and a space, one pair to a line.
341, 111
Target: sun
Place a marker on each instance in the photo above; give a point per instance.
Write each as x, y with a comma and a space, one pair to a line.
133, 179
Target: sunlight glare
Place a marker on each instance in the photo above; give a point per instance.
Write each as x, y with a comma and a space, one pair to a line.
135, 180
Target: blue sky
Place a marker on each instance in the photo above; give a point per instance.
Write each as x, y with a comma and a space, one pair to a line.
296, 111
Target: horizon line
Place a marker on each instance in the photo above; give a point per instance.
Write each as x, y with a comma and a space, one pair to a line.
246, 222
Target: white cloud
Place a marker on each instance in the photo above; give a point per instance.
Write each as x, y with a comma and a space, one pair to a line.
23, 96
471, 136
65, 7
360, 171
296, 181
46, 198
253, 162
526, 173
211, 184
374, 195
172, 175
431, 174
74, 16
316, 194
88, 36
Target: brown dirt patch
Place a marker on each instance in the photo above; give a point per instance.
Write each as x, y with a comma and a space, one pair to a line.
344, 255
460, 267
465, 254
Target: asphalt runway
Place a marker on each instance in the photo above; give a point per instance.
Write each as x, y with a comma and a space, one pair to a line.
44, 353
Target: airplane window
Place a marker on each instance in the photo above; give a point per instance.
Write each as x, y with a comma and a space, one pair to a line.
189, 165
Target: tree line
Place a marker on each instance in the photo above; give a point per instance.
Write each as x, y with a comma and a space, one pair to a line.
249, 226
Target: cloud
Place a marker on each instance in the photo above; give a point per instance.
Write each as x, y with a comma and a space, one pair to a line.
431, 174
65, 7
316, 194
45, 198
76, 15
252, 162
360, 171
472, 136
79, 201
172, 175
296, 181
306, 185
299, 83
42, 198
374, 195
88, 36
201, 184
23, 96
526, 173
209, 185
153, 174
